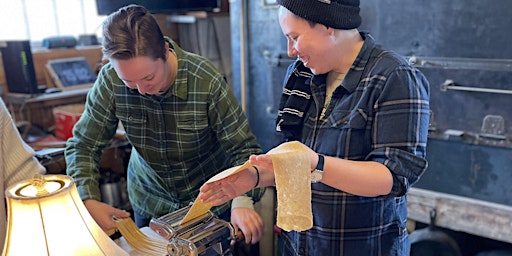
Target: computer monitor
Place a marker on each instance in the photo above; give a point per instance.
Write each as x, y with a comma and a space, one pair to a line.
19, 67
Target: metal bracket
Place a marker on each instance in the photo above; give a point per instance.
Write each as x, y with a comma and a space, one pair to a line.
451, 85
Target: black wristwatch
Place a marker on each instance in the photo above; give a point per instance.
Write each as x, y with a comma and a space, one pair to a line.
318, 173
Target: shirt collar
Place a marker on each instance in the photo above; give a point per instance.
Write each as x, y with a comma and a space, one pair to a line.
355, 73
180, 86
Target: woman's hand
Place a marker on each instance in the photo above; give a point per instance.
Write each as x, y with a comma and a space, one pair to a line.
221, 191
102, 213
250, 222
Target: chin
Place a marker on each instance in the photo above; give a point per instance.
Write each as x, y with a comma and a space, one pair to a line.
315, 71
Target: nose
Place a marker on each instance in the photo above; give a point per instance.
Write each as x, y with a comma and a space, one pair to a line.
292, 52
141, 88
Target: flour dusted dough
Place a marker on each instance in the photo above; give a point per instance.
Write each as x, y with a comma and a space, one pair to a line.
197, 209
293, 185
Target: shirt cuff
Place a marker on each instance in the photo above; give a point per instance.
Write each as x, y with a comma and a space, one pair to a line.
242, 202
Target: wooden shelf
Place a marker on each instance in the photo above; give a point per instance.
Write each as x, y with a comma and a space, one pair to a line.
37, 109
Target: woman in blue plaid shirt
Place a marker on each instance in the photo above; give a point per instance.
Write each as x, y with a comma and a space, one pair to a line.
362, 114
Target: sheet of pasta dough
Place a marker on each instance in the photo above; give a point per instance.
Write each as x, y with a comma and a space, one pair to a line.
292, 170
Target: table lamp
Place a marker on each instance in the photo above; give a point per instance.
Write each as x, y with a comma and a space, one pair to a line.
47, 217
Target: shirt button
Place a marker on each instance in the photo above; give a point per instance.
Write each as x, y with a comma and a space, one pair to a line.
301, 250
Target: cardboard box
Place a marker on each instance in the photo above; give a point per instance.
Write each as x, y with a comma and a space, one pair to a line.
65, 119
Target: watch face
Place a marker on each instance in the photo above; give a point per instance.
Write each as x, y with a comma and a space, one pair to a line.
316, 176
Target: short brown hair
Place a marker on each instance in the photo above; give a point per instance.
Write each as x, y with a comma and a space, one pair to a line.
132, 31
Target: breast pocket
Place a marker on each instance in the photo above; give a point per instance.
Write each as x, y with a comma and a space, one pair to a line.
193, 130
134, 121
350, 131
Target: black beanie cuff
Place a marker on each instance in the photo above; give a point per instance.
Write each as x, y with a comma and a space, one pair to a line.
335, 14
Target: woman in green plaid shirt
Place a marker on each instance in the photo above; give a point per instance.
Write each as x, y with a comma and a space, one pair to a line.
180, 116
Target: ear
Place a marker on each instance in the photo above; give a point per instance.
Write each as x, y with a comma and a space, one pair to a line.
166, 50
330, 31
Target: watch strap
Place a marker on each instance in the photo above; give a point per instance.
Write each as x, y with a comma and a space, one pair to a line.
318, 173
320, 164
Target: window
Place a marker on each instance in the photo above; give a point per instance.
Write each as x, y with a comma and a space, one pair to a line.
39, 19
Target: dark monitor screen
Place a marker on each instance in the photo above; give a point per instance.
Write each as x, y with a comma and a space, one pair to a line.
18, 65
106, 7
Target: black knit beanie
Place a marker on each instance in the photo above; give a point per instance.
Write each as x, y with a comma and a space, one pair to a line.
339, 14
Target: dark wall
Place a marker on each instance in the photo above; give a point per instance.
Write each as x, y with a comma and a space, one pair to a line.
263, 40
455, 28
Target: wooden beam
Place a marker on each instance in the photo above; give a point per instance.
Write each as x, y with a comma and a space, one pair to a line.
464, 214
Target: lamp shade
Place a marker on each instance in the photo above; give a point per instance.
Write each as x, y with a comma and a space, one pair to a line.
47, 217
